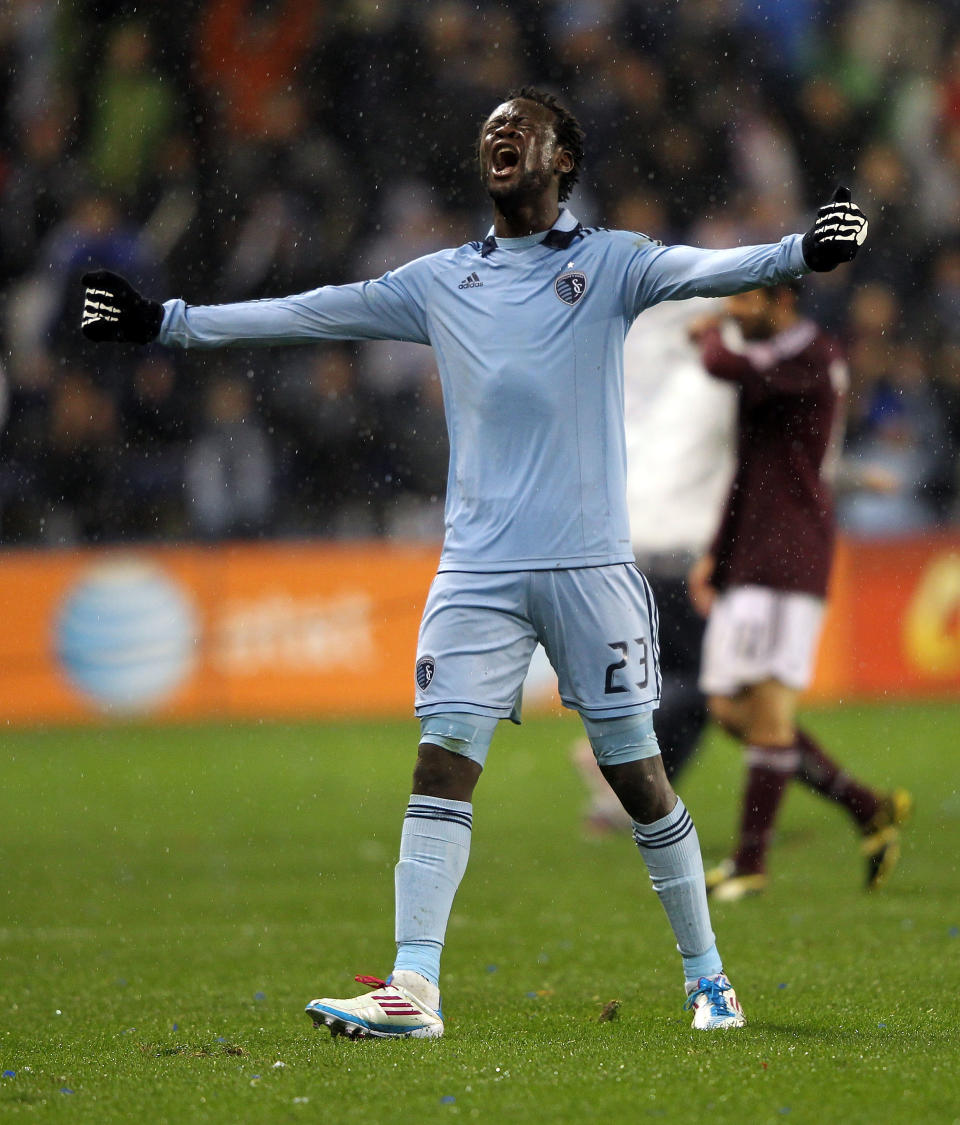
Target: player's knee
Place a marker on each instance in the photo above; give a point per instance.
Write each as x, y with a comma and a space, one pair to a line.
628, 738
642, 787
466, 736
771, 731
772, 714
441, 773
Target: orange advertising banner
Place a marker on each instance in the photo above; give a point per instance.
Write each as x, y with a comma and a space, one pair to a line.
188, 632
303, 629
893, 629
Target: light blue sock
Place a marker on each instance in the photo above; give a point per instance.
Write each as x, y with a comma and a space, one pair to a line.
671, 851
434, 848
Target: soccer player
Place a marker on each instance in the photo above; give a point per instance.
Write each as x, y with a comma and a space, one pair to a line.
528, 327
765, 581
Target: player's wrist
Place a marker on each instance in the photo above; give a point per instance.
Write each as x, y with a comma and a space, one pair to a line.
146, 321
812, 257
819, 258
114, 312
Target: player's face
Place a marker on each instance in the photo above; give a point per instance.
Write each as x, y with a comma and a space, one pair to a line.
519, 155
753, 313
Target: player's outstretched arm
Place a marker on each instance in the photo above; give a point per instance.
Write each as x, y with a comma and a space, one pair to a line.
673, 273
837, 234
113, 311
390, 308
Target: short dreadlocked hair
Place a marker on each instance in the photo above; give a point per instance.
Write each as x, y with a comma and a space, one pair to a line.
568, 130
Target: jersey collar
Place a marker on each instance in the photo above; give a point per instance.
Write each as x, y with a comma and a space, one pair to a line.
559, 237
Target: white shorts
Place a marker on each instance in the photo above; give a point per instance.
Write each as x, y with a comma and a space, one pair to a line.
756, 634
597, 624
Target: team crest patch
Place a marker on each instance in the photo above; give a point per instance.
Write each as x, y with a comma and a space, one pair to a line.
426, 666
570, 287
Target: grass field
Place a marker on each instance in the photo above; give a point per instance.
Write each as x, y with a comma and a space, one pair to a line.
172, 898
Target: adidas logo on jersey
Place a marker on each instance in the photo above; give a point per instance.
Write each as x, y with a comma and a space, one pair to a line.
471, 282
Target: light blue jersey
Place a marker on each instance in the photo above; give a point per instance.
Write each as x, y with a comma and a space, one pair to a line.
529, 347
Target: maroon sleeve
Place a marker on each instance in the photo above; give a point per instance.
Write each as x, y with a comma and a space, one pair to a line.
758, 369
720, 361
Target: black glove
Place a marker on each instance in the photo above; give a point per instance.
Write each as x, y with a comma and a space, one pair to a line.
113, 310
837, 235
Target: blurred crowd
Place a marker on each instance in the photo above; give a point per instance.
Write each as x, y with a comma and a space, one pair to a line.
234, 149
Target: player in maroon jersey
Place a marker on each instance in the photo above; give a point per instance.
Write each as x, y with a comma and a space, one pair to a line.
764, 584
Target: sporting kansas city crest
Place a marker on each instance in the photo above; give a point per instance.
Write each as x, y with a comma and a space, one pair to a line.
425, 670
570, 287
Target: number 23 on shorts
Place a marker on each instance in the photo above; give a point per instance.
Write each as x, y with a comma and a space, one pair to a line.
634, 661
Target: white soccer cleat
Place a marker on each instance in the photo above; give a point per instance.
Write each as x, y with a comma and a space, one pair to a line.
714, 1004
389, 1012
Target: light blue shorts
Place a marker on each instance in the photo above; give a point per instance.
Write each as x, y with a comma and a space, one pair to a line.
597, 624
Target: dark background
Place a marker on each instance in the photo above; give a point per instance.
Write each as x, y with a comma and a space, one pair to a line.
237, 149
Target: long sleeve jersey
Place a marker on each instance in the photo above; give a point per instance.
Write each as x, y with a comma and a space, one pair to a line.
777, 529
529, 348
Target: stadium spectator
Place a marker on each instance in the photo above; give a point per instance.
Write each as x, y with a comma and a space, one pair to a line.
39, 180
229, 469
296, 214
155, 418
472, 53
942, 298
901, 433
81, 468
131, 113
248, 53
312, 404
414, 437
829, 128
30, 52
92, 231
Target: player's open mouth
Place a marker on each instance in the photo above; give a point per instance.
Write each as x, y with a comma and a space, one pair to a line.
503, 159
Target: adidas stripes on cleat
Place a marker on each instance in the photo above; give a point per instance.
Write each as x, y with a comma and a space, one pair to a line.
881, 838
389, 1012
714, 1004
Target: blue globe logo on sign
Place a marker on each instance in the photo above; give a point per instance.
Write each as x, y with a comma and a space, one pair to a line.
126, 635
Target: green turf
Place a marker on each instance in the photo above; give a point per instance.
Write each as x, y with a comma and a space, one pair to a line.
172, 897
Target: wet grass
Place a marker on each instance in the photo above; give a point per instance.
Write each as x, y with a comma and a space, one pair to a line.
173, 896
